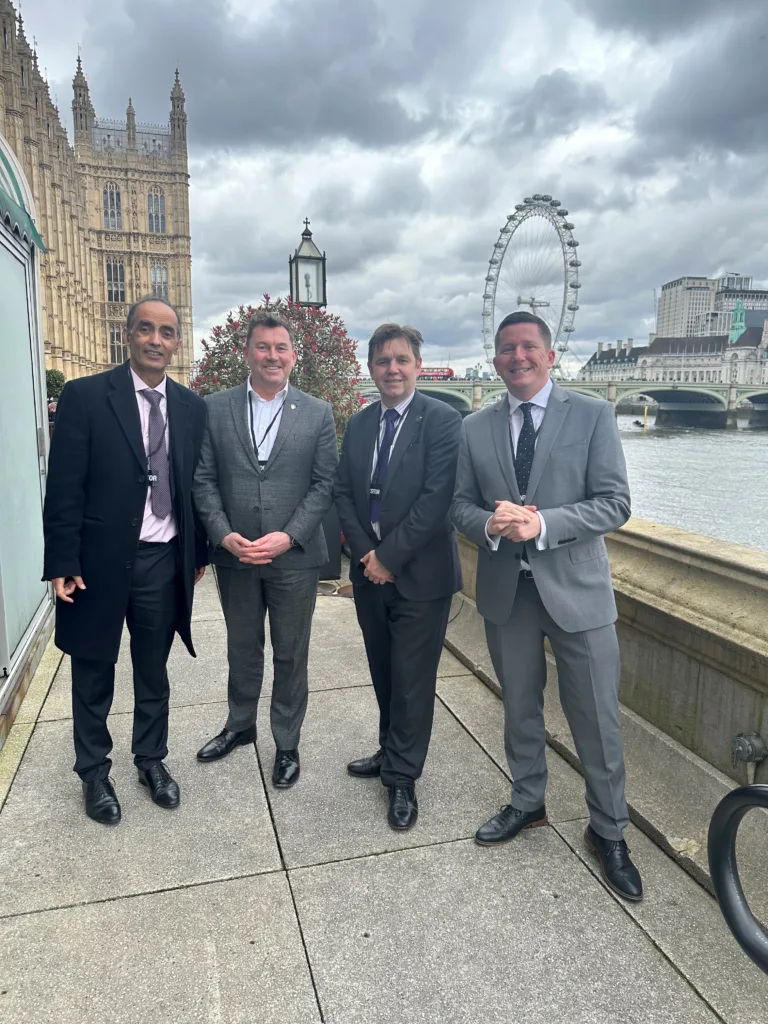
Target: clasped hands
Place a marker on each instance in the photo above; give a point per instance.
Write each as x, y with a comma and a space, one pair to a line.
374, 570
515, 522
257, 552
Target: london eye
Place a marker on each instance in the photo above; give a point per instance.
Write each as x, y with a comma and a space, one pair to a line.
534, 267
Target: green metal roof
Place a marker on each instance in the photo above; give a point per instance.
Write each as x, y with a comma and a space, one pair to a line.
12, 211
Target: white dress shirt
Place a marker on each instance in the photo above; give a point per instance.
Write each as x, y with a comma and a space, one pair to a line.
538, 408
153, 529
263, 412
402, 408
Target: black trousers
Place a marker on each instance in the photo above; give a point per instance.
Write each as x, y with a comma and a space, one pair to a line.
403, 641
151, 620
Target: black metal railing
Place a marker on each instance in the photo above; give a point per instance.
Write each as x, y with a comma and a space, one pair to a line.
721, 849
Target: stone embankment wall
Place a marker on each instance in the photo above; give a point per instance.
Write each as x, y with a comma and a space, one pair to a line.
693, 630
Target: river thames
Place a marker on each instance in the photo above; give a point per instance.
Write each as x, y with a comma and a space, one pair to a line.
708, 481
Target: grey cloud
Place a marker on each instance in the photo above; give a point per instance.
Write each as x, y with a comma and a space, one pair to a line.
656, 19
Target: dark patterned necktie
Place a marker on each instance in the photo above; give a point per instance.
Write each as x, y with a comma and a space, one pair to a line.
391, 416
157, 455
526, 446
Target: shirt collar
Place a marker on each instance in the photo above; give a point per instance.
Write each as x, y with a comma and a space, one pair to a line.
141, 385
539, 399
283, 391
400, 409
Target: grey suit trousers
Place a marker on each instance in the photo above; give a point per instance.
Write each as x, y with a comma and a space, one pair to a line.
588, 673
288, 596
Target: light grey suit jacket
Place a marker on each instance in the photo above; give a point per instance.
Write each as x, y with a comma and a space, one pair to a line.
291, 494
578, 482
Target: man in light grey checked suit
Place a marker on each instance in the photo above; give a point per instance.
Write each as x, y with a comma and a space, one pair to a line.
541, 479
262, 487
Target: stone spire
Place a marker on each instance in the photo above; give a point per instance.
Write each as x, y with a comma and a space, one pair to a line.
83, 114
130, 118
178, 118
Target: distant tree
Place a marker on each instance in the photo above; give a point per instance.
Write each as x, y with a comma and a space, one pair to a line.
326, 367
54, 384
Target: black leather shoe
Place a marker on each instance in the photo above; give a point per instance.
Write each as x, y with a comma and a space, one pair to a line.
367, 767
163, 790
226, 741
403, 807
101, 802
286, 770
618, 871
505, 825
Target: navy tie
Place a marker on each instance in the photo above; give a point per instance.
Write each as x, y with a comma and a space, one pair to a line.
526, 446
391, 416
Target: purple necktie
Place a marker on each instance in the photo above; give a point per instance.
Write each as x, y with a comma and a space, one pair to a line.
157, 457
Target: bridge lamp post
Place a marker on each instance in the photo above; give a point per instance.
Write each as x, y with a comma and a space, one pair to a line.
306, 270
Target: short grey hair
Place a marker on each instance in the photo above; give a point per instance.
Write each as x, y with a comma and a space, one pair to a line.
265, 319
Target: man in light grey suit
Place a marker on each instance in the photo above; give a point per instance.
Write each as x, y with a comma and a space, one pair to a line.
262, 487
541, 479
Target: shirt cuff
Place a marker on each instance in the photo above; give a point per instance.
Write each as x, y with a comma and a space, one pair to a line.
541, 540
493, 542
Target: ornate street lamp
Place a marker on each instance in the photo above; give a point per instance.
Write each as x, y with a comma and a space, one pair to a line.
307, 272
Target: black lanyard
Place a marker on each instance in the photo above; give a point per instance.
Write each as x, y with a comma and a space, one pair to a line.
271, 423
398, 424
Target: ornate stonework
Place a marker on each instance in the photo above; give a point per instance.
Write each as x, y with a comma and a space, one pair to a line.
121, 190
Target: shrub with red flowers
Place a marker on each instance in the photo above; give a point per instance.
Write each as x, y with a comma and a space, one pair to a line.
326, 365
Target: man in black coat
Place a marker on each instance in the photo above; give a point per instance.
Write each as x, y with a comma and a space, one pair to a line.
393, 494
123, 545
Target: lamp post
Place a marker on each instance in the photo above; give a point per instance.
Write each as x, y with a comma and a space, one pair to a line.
307, 272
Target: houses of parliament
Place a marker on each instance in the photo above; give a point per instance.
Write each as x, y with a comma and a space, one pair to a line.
112, 210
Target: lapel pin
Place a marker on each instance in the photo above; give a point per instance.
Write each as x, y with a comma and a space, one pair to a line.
292, 405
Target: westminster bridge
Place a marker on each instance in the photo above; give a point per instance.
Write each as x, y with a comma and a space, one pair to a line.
712, 405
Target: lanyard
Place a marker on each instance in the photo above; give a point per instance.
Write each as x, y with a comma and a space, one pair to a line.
271, 423
398, 425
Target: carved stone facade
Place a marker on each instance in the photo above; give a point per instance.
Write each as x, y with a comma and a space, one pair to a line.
113, 210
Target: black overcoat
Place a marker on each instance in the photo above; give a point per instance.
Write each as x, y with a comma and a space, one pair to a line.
94, 505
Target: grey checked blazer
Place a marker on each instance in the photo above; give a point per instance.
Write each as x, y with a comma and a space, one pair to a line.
578, 482
291, 494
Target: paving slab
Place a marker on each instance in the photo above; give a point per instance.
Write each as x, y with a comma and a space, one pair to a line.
329, 815
52, 855
482, 714
228, 953
685, 922
207, 604
459, 935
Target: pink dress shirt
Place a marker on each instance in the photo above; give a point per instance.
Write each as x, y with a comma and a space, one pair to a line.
152, 528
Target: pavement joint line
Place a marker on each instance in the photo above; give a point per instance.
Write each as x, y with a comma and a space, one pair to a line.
488, 754
144, 892
290, 887
627, 910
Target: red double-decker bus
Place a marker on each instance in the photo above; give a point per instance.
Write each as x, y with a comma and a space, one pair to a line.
436, 373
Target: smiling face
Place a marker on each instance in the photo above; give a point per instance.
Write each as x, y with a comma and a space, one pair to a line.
153, 339
394, 369
523, 360
270, 358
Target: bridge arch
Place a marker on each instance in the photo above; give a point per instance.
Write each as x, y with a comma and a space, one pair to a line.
457, 400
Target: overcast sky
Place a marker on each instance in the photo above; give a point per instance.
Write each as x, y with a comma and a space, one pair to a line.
406, 130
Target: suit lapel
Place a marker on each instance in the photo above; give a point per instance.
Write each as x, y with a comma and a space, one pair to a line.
408, 434
288, 421
122, 397
554, 417
178, 424
238, 404
503, 445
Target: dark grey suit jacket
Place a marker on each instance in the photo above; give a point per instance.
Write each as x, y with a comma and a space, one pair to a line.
578, 482
293, 492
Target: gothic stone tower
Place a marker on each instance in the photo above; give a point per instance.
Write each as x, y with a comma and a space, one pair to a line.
137, 184
113, 211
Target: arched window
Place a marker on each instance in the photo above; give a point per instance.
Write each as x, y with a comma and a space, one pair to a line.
115, 280
156, 211
113, 211
158, 275
118, 350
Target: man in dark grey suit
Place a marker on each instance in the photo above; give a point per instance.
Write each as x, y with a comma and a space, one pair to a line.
262, 487
393, 494
541, 480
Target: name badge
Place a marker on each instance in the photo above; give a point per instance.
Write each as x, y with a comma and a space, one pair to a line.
374, 492
152, 478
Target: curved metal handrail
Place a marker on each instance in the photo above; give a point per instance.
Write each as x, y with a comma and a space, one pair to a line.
721, 850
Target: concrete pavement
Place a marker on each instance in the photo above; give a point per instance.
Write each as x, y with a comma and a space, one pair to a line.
249, 904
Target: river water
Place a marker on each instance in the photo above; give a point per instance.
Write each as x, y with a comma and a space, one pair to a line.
708, 481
